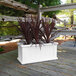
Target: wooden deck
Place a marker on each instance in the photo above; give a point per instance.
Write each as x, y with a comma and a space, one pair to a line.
64, 66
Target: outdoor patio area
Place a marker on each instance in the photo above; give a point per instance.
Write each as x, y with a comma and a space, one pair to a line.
37, 37
64, 66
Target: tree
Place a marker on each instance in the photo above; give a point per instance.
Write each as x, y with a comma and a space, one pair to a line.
71, 11
6, 29
35, 3
10, 11
31, 3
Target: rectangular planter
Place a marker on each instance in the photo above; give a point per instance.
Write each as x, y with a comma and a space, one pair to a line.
35, 53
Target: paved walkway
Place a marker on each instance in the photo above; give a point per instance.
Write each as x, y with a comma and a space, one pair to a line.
64, 66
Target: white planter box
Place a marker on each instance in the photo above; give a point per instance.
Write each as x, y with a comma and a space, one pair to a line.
33, 53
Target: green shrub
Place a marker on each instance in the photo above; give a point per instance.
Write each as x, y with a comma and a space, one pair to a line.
1, 49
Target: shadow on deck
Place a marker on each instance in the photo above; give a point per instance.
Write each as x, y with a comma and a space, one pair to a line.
64, 66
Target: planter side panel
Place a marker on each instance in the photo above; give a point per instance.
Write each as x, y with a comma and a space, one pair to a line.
36, 54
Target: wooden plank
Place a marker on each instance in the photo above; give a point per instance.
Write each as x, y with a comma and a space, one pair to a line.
40, 73
17, 6
5, 61
56, 68
62, 67
3, 73
23, 69
58, 7
44, 70
11, 18
12, 71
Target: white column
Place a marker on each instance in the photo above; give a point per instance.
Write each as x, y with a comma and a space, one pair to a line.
39, 12
40, 15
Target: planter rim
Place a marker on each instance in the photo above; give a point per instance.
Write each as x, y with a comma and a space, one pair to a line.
35, 45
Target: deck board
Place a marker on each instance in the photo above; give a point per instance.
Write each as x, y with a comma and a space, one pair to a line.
64, 66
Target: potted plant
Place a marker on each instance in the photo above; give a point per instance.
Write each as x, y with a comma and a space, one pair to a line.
37, 46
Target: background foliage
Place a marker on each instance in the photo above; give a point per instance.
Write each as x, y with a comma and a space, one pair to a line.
31, 3
12, 12
35, 3
8, 30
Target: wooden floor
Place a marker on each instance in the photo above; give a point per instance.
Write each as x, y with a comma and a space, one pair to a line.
64, 66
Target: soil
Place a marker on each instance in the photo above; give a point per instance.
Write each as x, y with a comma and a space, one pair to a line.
8, 47
12, 46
